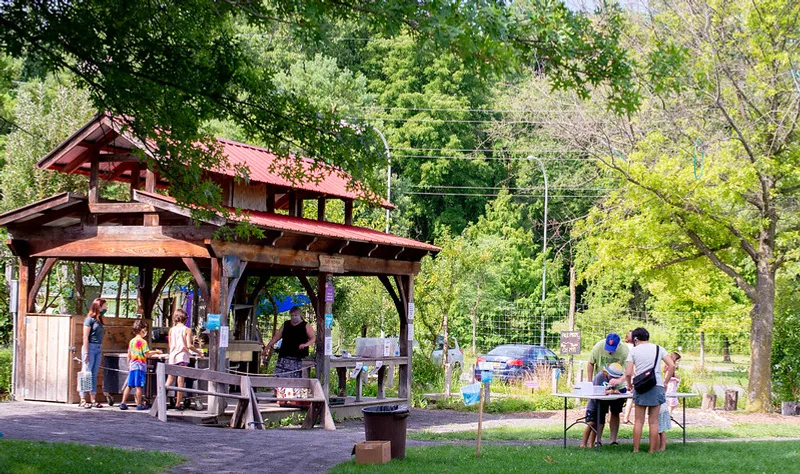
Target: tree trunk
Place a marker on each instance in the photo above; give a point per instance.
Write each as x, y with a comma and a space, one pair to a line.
726, 349
119, 290
102, 280
79, 296
762, 318
702, 350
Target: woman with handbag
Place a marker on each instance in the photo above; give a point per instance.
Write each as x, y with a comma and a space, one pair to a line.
643, 374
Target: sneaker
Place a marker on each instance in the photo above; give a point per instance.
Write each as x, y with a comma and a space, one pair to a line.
123, 406
142, 407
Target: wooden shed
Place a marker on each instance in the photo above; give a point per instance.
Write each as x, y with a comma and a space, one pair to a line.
152, 231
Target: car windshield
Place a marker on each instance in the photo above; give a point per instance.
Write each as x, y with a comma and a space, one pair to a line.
507, 351
542, 353
440, 344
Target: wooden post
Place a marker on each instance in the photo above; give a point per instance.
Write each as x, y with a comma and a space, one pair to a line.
321, 308
571, 317
214, 361
135, 175
709, 401
150, 219
348, 212
405, 287
702, 350
161, 391
271, 203
731, 400
480, 426
790, 408
27, 273
292, 203
321, 209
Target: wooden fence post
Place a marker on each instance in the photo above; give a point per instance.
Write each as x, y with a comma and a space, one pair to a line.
731, 400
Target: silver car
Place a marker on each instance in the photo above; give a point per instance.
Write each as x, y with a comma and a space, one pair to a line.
454, 353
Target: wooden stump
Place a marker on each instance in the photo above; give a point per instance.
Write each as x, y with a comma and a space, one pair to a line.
709, 401
731, 400
790, 408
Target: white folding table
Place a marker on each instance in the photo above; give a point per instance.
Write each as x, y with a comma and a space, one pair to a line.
608, 398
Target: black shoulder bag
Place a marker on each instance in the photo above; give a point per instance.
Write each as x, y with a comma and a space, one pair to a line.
645, 381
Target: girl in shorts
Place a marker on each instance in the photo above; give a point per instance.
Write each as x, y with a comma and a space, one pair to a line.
180, 349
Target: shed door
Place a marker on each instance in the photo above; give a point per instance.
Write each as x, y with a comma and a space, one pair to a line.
47, 357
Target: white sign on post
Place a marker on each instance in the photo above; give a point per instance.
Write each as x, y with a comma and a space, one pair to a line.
411, 310
328, 345
223, 336
410, 331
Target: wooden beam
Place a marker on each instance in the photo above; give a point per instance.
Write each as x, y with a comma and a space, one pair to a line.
135, 175
271, 203
390, 289
234, 282
119, 170
173, 207
117, 248
310, 260
120, 208
37, 283
292, 203
46, 204
117, 158
194, 269
323, 360
348, 212
321, 209
405, 284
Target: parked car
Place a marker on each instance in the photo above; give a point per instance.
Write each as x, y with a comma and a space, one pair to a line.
454, 353
515, 361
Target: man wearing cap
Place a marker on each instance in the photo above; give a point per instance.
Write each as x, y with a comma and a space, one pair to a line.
603, 354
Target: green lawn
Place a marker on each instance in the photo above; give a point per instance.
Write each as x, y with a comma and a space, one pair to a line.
708, 458
24, 457
513, 433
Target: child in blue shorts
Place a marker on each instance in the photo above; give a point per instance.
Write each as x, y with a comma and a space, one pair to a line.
138, 352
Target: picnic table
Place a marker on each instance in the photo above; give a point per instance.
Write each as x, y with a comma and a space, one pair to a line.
608, 398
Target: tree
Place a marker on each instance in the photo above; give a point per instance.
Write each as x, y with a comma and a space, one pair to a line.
708, 164
174, 66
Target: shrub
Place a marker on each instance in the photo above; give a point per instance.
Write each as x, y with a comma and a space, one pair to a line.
786, 357
5, 370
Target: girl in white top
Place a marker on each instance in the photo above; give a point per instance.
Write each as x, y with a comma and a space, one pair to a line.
180, 345
642, 358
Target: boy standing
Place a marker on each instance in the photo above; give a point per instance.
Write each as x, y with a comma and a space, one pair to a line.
595, 419
138, 352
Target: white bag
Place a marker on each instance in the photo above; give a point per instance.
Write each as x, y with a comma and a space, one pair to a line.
84, 381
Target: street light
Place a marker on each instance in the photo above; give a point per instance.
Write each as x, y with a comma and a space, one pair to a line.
357, 128
544, 246
388, 173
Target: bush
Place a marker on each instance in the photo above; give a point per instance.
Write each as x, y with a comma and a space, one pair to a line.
786, 357
5, 370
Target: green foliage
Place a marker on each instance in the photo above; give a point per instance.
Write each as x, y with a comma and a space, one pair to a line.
786, 342
6, 357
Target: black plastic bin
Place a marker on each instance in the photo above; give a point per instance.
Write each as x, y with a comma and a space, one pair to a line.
387, 423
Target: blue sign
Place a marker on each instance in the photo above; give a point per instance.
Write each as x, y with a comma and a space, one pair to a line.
213, 321
486, 376
328, 320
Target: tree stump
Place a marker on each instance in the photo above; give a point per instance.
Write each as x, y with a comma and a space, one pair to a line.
790, 408
709, 401
731, 400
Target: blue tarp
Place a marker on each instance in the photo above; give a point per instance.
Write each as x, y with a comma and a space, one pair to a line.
286, 303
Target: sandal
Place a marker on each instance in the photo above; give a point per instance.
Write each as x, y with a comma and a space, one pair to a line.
97, 405
83, 404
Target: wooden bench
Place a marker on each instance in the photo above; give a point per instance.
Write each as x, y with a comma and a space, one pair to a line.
246, 415
319, 402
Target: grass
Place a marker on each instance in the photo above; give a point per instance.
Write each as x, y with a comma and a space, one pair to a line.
708, 458
28, 457
516, 433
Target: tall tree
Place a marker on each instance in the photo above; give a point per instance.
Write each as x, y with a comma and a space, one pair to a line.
708, 165
175, 65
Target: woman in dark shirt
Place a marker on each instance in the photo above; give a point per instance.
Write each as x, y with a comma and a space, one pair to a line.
93, 330
297, 337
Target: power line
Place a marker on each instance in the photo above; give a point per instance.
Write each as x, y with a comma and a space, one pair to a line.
488, 111
550, 196
430, 120
492, 150
487, 158
534, 188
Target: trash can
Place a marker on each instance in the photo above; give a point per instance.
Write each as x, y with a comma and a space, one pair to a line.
387, 423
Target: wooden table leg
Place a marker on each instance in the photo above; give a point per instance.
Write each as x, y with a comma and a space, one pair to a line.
341, 372
381, 378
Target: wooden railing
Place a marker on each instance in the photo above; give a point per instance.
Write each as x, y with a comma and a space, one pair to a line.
246, 415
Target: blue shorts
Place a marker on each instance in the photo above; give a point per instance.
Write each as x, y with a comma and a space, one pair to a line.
136, 378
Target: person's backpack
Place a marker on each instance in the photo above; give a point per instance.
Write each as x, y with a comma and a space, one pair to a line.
645, 381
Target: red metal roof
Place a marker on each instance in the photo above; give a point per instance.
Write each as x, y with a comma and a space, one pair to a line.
265, 167
281, 222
